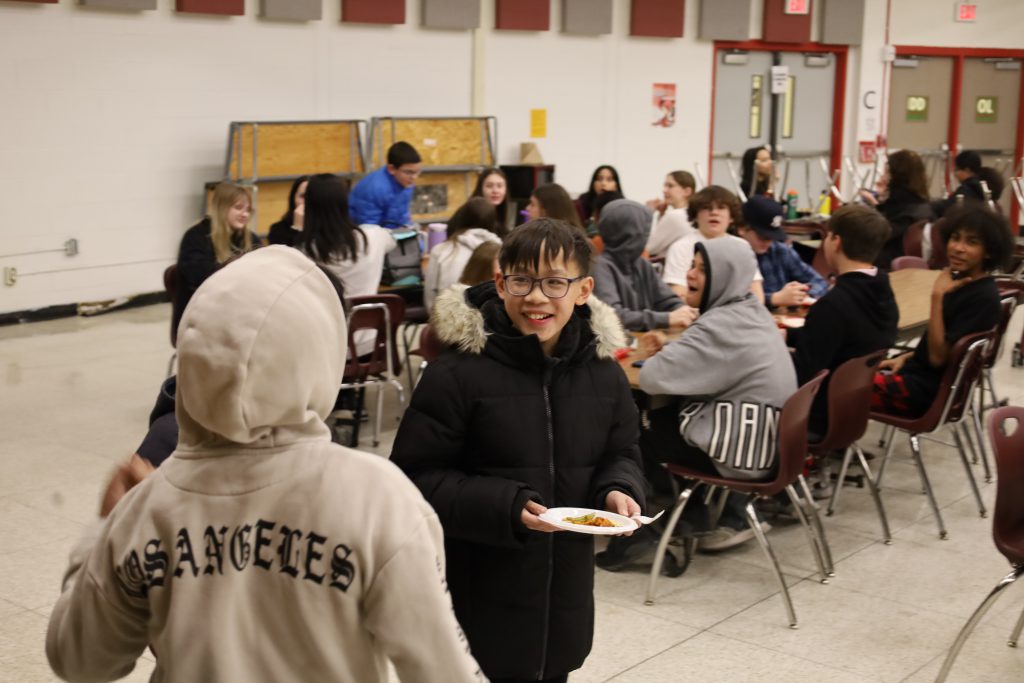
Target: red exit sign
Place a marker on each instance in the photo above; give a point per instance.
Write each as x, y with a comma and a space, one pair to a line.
966, 11
798, 6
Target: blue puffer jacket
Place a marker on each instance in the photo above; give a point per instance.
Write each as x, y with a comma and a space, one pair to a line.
379, 199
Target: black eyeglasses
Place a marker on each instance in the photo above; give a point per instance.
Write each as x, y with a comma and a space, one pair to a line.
551, 287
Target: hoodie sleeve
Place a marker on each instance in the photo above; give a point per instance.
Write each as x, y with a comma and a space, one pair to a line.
620, 468
409, 611
607, 290
96, 632
429, 449
692, 365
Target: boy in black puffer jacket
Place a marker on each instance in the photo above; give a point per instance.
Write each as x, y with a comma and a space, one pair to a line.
530, 410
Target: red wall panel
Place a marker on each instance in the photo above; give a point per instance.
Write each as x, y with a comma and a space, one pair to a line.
780, 27
373, 11
523, 15
658, 18
50, 2
232, 7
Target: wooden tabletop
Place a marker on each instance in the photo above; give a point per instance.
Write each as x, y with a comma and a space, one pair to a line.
913, 290
636, 353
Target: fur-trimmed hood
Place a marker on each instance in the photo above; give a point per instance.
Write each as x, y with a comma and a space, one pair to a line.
459, 323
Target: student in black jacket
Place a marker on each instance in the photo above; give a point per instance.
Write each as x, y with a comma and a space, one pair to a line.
964, 300
214, 241
286, 231
904, 200
529, 411
967, 170
857, 316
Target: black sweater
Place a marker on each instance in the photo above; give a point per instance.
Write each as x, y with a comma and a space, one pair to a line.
857, 316
282, 232
902, 209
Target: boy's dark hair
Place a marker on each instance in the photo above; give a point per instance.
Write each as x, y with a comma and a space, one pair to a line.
990, 227
863, 231
402, 153
710, 195
994, 180
968, 161
604, 199
545, 238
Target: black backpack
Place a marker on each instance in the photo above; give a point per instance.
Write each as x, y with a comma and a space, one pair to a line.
404, 260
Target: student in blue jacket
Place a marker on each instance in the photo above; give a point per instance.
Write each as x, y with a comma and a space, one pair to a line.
382, 197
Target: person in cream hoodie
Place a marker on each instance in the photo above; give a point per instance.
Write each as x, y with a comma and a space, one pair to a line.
261, 551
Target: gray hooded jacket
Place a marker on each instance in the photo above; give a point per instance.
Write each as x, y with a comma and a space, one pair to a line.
731, 366
625, 280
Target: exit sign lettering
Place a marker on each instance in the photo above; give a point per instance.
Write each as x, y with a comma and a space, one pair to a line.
798, 6
966, 11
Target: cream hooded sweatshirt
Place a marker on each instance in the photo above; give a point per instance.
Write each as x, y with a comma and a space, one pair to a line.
261, 551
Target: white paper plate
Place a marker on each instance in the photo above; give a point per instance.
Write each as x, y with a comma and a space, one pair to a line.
556, 517
793, 321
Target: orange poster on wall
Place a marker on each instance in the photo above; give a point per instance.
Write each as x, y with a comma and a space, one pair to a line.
664, 102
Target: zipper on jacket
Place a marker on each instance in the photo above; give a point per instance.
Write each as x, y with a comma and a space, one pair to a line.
551, 537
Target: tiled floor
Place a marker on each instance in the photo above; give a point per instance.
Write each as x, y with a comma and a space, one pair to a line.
75, 398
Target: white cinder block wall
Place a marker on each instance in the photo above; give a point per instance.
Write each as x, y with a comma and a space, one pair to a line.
111, 121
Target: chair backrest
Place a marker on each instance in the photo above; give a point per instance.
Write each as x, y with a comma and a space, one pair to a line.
1006, 433
938, 258
374, 317
430, 346
396, 313
962, 371
171, 286
913, 238
849, 402
901, 262
1008, 305
792, 434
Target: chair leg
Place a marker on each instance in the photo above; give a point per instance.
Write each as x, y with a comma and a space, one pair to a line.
875, 495
357, 415
798, 509
915, 448
755, 525
666, 536
1015, 636
979, 434
886, 438
834, 498
378, 416
885, 462
967, 466
969, 627
814, 517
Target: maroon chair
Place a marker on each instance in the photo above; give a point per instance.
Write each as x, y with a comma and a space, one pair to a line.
938, 258
1006, 431
1012, 293
913, 238
171, 287
429, 349
901, 262
947, 408
792, 454
849, 403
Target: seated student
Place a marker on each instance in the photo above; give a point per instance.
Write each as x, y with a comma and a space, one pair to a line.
604, 179
964, 300
353, 254
757, 172
482, 265
286, 231
857, 316
382, 197
625, 280
670, 219
966, 170
788, 280
214, 241
731, 373
529, 410
260, 551
470, 226
492, 185
902, 198
552, 201
713, 210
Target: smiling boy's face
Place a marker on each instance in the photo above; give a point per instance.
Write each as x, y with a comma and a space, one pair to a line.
536, 313
696, 278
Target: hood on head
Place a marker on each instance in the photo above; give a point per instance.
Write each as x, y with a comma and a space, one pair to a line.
729, 268
624, 226
261, 352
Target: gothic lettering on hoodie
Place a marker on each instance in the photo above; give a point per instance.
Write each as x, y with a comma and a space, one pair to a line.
309, 556
746, 431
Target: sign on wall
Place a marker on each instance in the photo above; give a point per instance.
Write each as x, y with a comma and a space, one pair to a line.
538, 123
664, 101
966, 11
917, 108
756, 94
798, 7
986, 109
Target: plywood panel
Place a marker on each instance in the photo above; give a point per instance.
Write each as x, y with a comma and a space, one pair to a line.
779, 27
373, 11
438, 195
48, 2
587, 17
522, 15
293, 10
291, 149
120, 4
657, 18
230, 7
457, 14
440, 142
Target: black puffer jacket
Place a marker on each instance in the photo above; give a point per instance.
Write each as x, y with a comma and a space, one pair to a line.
496, 423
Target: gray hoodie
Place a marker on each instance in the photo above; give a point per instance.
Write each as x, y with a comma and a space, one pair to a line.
731, 366
625, 280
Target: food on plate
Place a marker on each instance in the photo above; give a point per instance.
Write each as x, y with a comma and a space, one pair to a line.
591, 519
